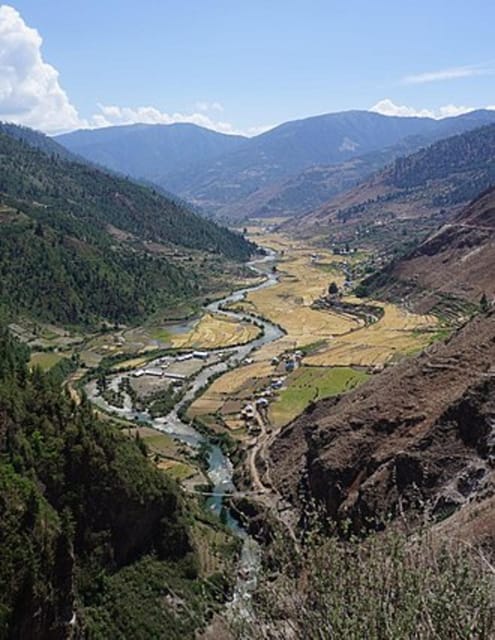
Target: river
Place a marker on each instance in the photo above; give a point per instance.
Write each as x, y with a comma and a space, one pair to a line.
220, 469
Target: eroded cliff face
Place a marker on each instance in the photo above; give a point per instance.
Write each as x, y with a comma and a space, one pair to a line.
418, 437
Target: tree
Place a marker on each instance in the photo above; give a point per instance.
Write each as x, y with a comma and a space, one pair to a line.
484, 304
333, 289
101, 382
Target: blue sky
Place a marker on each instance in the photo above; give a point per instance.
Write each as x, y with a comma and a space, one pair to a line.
245, 65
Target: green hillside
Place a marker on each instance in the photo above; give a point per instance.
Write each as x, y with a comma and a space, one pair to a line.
79, 504
75, 242
466, 163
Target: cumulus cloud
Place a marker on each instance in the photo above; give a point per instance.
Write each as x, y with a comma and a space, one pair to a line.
31, 94
446, 74
109, 115
388, 108
30, 91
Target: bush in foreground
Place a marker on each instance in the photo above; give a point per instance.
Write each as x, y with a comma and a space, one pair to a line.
386, 588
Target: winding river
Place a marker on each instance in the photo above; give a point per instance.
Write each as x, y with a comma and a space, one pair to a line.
220, 468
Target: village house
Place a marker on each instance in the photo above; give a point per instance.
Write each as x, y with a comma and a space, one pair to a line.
184, 357
154, 371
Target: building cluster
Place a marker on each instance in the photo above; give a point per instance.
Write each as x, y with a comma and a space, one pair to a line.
160, 366
256, 411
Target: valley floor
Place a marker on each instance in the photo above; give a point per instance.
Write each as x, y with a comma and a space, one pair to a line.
325, 350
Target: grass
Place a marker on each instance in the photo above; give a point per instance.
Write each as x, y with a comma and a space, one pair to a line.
161, 334
308, 384
45, 360
179, 471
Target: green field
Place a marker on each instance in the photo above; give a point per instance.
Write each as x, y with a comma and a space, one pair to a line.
180, 471
161, 334
45, 360
308, 384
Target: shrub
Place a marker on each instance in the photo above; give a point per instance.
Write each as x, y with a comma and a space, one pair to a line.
388, 587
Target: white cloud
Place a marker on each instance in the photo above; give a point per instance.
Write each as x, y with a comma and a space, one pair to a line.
388, 108
114, 115
446, 74
30, 92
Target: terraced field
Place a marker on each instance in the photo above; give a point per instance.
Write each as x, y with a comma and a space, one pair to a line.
397, 333
236, 385
214, 331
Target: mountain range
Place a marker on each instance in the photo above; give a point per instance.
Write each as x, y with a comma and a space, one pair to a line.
411, 196
234, 177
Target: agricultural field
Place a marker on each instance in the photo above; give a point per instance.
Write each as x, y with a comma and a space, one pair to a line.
158, 443
169, 455
215, 331
308, 384
341, 341
397, 333
45, 360
234, 386
288, 303
132, 363
179, 471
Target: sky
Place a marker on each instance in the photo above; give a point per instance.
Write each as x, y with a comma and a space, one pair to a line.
240, 66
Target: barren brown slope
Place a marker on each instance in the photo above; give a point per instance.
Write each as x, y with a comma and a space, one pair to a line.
458, 260
421, 434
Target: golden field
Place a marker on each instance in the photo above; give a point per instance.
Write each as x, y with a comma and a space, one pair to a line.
397, 332
214, 331
304, 276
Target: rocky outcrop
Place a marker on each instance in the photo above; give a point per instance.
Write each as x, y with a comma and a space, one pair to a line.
418, 437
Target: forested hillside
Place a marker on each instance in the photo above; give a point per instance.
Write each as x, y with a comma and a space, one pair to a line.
91, 196
467, 161
150, 150
414, 194
74, 241
36, 139
79, 502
